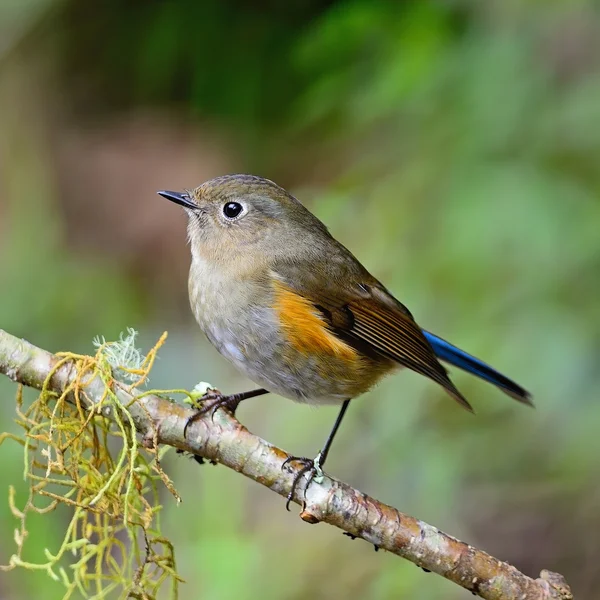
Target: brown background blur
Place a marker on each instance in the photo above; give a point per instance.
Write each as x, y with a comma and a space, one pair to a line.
452, 146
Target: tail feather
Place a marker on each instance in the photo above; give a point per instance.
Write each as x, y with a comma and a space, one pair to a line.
453, 355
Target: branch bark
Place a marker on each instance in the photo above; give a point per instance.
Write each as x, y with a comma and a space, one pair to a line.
226, 441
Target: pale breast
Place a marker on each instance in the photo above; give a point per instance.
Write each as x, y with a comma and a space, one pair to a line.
215, 302
239, 318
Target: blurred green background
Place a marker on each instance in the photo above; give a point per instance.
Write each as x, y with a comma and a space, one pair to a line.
454, 146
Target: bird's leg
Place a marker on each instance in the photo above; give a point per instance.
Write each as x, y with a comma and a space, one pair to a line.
213, 400
314, 466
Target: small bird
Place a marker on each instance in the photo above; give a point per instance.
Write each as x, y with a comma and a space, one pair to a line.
295, 311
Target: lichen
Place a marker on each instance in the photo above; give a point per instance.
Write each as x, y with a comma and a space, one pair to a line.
113, 540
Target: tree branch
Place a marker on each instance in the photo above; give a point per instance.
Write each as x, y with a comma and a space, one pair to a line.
223, 439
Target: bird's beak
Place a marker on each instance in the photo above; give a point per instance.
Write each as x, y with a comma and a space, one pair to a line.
180, 198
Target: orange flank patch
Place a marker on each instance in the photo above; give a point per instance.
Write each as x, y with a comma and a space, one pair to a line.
305, 327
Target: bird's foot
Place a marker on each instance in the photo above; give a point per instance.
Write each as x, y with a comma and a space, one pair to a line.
311, 467
211, 401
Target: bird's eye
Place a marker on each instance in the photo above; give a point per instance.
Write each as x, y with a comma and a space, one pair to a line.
232, 210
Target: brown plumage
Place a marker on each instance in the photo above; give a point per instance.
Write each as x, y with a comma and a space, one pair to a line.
368, 317
294, 310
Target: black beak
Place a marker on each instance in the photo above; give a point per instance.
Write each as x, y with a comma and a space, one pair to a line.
180, 198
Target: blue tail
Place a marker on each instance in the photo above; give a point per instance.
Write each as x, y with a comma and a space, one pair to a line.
453, 355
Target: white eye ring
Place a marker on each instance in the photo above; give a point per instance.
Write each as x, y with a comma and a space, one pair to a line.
233, 210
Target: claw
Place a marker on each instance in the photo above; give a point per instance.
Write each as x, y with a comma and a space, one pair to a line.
211, 401
311, 466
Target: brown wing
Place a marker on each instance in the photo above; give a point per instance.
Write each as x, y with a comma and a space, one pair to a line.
365, 314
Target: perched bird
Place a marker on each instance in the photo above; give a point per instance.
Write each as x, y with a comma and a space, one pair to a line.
295, 311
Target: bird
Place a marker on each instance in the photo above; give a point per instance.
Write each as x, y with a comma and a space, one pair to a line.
296, 312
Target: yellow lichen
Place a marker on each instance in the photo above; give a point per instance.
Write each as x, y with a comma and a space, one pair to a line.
113, 540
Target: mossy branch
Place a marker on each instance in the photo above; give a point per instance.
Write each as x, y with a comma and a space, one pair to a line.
222, 438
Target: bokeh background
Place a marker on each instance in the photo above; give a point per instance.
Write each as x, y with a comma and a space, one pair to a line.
454, 146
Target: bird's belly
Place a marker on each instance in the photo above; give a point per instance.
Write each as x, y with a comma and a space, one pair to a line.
253, 340
304, 378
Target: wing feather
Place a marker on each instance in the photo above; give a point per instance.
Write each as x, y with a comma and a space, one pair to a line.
365, 313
